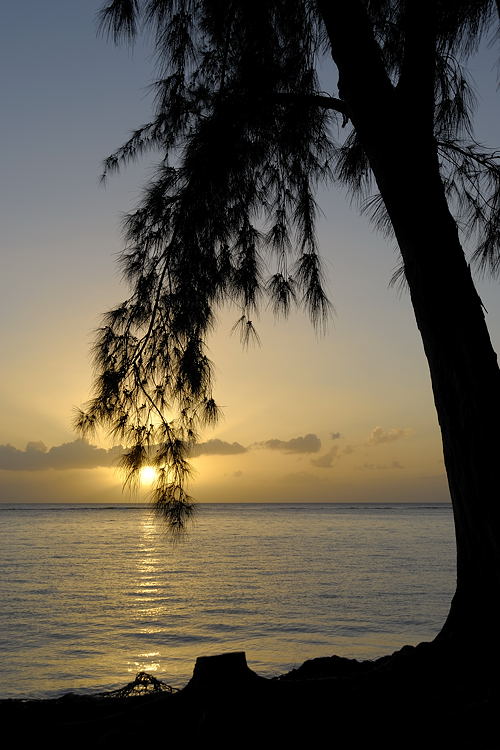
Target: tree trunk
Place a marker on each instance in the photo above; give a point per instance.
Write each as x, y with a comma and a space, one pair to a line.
395, 125
465, 382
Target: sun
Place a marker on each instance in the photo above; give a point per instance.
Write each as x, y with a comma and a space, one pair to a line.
148, 474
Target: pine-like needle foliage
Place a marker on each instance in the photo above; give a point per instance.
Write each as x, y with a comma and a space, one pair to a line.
470, 171
245, 135
242, 151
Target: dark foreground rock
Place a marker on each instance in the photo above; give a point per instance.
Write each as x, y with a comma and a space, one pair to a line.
425, 696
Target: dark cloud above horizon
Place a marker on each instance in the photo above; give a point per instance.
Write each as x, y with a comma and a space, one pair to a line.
309, 443
217, 448
79, 454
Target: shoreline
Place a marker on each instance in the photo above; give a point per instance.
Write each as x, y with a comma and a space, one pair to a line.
415, 695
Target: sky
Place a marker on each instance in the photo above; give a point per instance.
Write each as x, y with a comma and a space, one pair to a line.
344, 417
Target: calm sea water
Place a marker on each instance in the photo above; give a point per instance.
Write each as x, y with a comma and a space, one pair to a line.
91, 595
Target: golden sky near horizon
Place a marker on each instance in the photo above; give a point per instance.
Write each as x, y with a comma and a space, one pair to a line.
347, 416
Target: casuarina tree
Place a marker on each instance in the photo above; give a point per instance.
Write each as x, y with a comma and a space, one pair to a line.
245, 135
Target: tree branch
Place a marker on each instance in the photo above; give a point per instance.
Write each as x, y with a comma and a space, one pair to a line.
320, 100
484, 160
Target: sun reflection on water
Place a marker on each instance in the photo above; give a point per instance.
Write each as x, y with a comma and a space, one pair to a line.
147, 596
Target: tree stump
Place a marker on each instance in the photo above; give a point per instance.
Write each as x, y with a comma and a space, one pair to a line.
227, 669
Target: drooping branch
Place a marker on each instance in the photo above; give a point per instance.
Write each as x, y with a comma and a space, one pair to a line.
319, 100
472, 180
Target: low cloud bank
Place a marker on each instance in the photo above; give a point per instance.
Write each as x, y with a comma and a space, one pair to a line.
78, 454
309, 443
217, 448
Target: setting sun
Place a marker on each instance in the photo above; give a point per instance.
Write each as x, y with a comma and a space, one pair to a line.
148, 474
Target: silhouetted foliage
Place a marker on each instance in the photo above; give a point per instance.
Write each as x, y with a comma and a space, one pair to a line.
245, 135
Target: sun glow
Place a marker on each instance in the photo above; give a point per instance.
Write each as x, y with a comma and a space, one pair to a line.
148, 474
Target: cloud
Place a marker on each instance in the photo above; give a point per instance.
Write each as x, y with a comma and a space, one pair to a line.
217, 448
78, 454
378, 436
326, 461
309, 443
335, 435
36, 446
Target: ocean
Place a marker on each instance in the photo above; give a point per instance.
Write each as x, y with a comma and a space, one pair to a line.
93, 594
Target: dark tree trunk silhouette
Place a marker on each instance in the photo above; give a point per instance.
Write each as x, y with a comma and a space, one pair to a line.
395, 125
